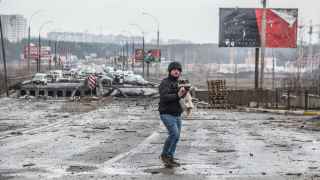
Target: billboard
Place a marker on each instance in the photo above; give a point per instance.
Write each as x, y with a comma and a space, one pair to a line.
34, 52
242, 27
138, 55
153, 55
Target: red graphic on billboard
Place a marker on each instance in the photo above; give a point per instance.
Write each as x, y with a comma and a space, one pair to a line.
156, 53
281, 27
242, 27
153, 55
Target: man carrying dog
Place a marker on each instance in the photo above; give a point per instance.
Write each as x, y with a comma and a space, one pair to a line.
170, 112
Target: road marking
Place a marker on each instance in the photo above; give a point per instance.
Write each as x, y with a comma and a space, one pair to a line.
135, 150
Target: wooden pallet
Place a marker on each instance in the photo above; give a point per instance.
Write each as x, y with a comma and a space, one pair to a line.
218, 94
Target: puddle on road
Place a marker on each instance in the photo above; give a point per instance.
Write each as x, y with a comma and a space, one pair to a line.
9, 127
79, 168
16, 173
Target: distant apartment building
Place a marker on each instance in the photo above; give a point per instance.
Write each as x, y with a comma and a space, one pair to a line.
91, 38
14, 27
178, 41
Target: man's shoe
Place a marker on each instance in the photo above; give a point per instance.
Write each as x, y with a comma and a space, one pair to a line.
175, 162
167, 161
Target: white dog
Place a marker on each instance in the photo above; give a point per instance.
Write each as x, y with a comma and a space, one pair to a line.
186, 104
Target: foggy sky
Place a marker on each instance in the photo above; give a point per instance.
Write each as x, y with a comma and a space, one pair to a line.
195, 20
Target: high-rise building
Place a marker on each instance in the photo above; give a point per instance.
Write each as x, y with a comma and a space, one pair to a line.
14, 27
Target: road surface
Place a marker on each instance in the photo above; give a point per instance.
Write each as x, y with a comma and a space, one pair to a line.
122, 139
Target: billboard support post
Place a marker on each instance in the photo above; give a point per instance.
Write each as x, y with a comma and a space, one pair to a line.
256, 74
263, 41
4, 60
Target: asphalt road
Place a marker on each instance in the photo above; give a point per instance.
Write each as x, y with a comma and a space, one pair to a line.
122, 139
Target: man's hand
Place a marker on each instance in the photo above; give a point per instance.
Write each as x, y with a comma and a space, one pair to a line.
182, 92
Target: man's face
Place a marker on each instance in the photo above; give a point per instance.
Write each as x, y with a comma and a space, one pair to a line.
175, 73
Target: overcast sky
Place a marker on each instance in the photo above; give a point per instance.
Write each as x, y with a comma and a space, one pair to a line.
195, 20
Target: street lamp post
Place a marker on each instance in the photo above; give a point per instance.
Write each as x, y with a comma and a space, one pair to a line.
158, 27
158, 38
123, 55
59, 44
39, 48
29, 38
142, 32
55, 50
132, 52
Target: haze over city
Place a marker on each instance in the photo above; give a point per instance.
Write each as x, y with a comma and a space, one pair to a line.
191, 20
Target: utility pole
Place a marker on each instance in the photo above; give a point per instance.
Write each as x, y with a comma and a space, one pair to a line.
127, 55
4, 59
158, 45
301, 56
263, 41
148, 72
29, 36
55, 54
28, 55
143, 56
158, 39
256, 72
39, 54
232, 63
310, 32
49, 43
142, 32
39, 50
273, 70
133, 55
234, 55
122, 56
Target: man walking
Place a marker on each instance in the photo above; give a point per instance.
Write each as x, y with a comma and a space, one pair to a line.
170, 112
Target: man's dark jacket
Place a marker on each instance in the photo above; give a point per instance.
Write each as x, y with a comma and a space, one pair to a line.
169, 99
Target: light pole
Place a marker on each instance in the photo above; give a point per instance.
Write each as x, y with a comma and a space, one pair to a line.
39, 48
158, 26
132, 52
158, 39
122, 54
142, 32
29, 34
55, 49
63, 49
